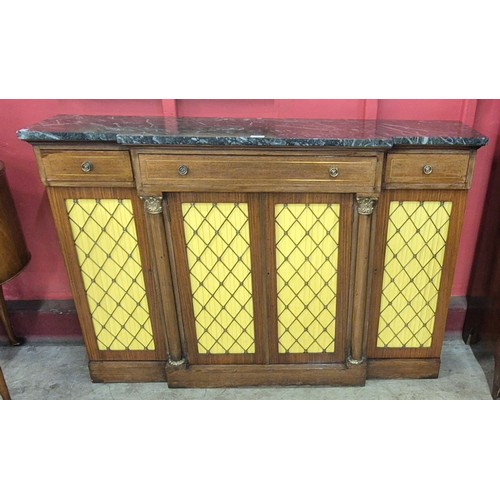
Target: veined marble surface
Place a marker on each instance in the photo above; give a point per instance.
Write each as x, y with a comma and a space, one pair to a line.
159, 130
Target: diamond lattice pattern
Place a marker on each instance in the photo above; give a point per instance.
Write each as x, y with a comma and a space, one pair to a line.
416, 243
219, 261
307, 241
106, 244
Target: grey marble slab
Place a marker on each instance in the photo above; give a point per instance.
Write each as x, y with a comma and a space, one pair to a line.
158, 130
431, 133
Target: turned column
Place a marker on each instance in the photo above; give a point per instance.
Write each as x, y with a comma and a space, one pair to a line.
153, 206
365, 208
13, 250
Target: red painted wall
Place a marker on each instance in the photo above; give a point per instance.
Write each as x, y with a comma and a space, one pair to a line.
46, 278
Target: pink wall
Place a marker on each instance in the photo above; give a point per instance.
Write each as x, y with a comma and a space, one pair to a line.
45, 277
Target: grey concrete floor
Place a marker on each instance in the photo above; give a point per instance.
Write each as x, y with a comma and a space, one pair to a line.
484, 356
59, 371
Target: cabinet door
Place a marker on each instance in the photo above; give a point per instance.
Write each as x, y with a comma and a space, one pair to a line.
418, 233
308, 254
218, 260
104, 245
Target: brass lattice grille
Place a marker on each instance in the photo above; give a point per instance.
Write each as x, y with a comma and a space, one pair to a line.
106, 244
218, 250
416, 243
307, 241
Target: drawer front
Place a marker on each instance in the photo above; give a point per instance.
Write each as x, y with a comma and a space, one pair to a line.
427, 170
93, 167
257, 173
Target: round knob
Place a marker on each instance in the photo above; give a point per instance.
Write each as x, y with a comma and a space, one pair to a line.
334, 172
427, 169
87, 166
183, 170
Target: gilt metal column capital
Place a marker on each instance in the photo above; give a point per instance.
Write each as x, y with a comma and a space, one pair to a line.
365, 205
153, 204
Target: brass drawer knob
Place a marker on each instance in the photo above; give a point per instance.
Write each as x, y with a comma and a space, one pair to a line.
427, 169
87, 166
183, 170
334, 172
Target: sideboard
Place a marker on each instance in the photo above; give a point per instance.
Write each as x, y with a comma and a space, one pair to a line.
238, 252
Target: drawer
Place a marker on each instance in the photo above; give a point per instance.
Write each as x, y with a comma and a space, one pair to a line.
106, 168
427, 170
257, 173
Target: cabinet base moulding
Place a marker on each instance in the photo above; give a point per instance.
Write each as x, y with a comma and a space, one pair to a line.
127, 371
403, 368
206, 376
213, 376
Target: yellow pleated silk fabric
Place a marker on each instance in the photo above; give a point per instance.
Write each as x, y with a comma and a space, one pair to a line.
106, 245
415, 249
307, 241
219, 261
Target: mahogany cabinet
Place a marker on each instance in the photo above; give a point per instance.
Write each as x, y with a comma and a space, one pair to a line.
224, 262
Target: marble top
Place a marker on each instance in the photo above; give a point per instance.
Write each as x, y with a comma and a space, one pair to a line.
159, 130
